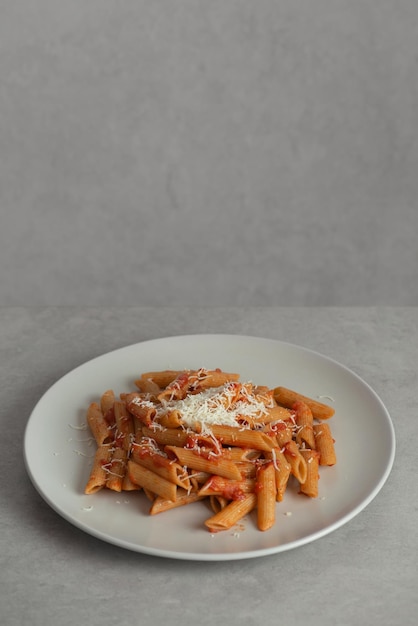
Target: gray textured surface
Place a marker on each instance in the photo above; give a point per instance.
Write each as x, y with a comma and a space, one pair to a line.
52, 573
224, 152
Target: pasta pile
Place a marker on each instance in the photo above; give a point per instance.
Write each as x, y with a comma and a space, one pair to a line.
184, 436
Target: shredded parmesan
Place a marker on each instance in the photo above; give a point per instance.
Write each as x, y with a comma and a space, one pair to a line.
214, 406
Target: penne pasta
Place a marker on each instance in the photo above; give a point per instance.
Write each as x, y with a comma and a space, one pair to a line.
160, 504
296, 461
282, 472
324, 444
149, 480
229, 489
107, 401
248, 469
241, 455
171, 419
243, 437
167, 436
310, 485
141, 407
159, 463
232, 513
128, 485
272, 414
161, 379
287, 398
217, 503
202, 435
304, 435
116, 469
124, 425
98, 474
98, 425
214, 378
219, 466
280, 431
197, 479
148, 386
265, 489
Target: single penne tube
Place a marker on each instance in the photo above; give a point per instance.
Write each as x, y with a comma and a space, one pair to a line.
141, 407
278, 413
167, 436
98, 473
265, 489
310, 486
195, 381
213, 465
98, 425
124, 424
214, 378
273, 414
231, 513
296, 461
287, 398
160, 504
149, 480
243, 437
302, 414
229, 489
202, 377
304, 425
116, 469
106, 401
161, 379
146, 385
324, 444
177, 389
282, 471
161, 465
138, 427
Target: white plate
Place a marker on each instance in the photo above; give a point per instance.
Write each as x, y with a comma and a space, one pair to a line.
58, 454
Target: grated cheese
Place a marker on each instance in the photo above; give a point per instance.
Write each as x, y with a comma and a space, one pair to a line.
213, 406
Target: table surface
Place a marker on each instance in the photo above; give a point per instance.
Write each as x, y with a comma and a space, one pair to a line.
53, 573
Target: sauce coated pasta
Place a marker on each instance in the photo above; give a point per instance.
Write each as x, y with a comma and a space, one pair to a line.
184, 436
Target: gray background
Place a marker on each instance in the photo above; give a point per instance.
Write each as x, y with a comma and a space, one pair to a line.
217, 152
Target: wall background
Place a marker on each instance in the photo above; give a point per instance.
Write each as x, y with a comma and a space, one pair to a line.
223, 152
